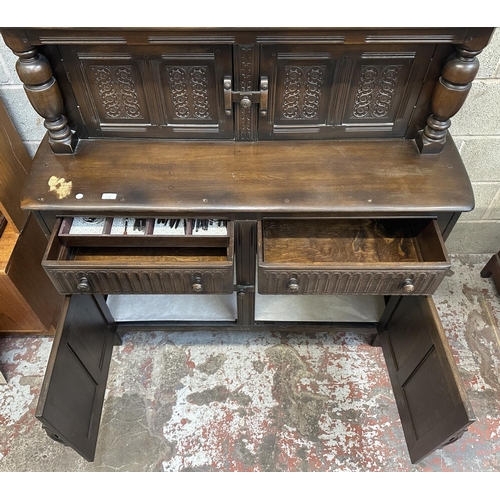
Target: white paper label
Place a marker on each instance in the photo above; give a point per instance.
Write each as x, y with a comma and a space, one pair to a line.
109, 196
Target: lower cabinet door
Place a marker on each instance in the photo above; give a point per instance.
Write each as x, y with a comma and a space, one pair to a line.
429, 393
72, 394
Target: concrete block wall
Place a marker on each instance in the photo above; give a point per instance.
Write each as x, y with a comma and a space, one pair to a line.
476, 130
28, 123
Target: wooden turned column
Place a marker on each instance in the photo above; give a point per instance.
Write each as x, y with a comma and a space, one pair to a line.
43, 92
450, 93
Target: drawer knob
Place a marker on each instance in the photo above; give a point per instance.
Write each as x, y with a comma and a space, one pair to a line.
197, 286
83, 285
408, 286
293, 285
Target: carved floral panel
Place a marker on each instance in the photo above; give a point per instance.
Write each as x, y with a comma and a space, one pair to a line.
375, 91
117, 91
189, 91
302, 92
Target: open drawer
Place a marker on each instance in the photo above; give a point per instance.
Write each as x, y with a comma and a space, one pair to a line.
140, 259
354, 256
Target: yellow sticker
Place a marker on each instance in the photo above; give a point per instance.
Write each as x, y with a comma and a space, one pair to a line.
60, 186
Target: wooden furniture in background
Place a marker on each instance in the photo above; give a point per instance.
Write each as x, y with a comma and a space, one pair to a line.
492, 270
325, 152
29, 302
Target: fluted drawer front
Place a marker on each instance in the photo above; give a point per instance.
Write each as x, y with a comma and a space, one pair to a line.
125, 281
349, 282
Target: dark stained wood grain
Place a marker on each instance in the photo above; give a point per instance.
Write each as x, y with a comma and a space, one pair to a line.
356, 256
73, 390
429, 393
365, 213
240, 35
140, 269
318, 177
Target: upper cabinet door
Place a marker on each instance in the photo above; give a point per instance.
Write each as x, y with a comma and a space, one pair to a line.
167, 91
320, 91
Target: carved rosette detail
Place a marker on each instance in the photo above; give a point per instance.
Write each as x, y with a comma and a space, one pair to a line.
189, 92
117, 91
375, 92
246, 68
302, 92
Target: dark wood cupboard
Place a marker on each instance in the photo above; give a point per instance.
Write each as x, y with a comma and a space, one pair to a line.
253, 165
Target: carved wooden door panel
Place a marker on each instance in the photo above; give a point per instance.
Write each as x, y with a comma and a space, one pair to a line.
328, 91
72, 394
429, 393
167, 91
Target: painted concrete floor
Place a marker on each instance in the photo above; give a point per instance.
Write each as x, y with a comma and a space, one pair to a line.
218, 401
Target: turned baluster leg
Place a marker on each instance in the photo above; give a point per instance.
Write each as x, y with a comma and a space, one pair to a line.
450, 93
43, 92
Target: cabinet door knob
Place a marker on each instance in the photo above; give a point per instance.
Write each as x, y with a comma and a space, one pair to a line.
246, 103
83, 285
293, 285
408, 286
197, 286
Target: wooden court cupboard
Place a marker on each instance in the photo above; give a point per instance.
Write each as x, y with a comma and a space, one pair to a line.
250, 163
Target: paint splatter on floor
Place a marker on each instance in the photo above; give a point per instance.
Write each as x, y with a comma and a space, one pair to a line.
267, 401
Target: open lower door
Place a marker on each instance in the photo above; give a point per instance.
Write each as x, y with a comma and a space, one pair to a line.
429, 393
72, 394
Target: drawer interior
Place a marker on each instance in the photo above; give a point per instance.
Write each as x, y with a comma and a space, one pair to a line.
137, 231
345, 241
151, 254
95, 242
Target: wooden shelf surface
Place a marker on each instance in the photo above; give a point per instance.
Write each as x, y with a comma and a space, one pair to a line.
288, 177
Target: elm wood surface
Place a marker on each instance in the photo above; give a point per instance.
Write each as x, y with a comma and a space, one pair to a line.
154, 255
232, 178
366, 241
72, 393
429, 393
